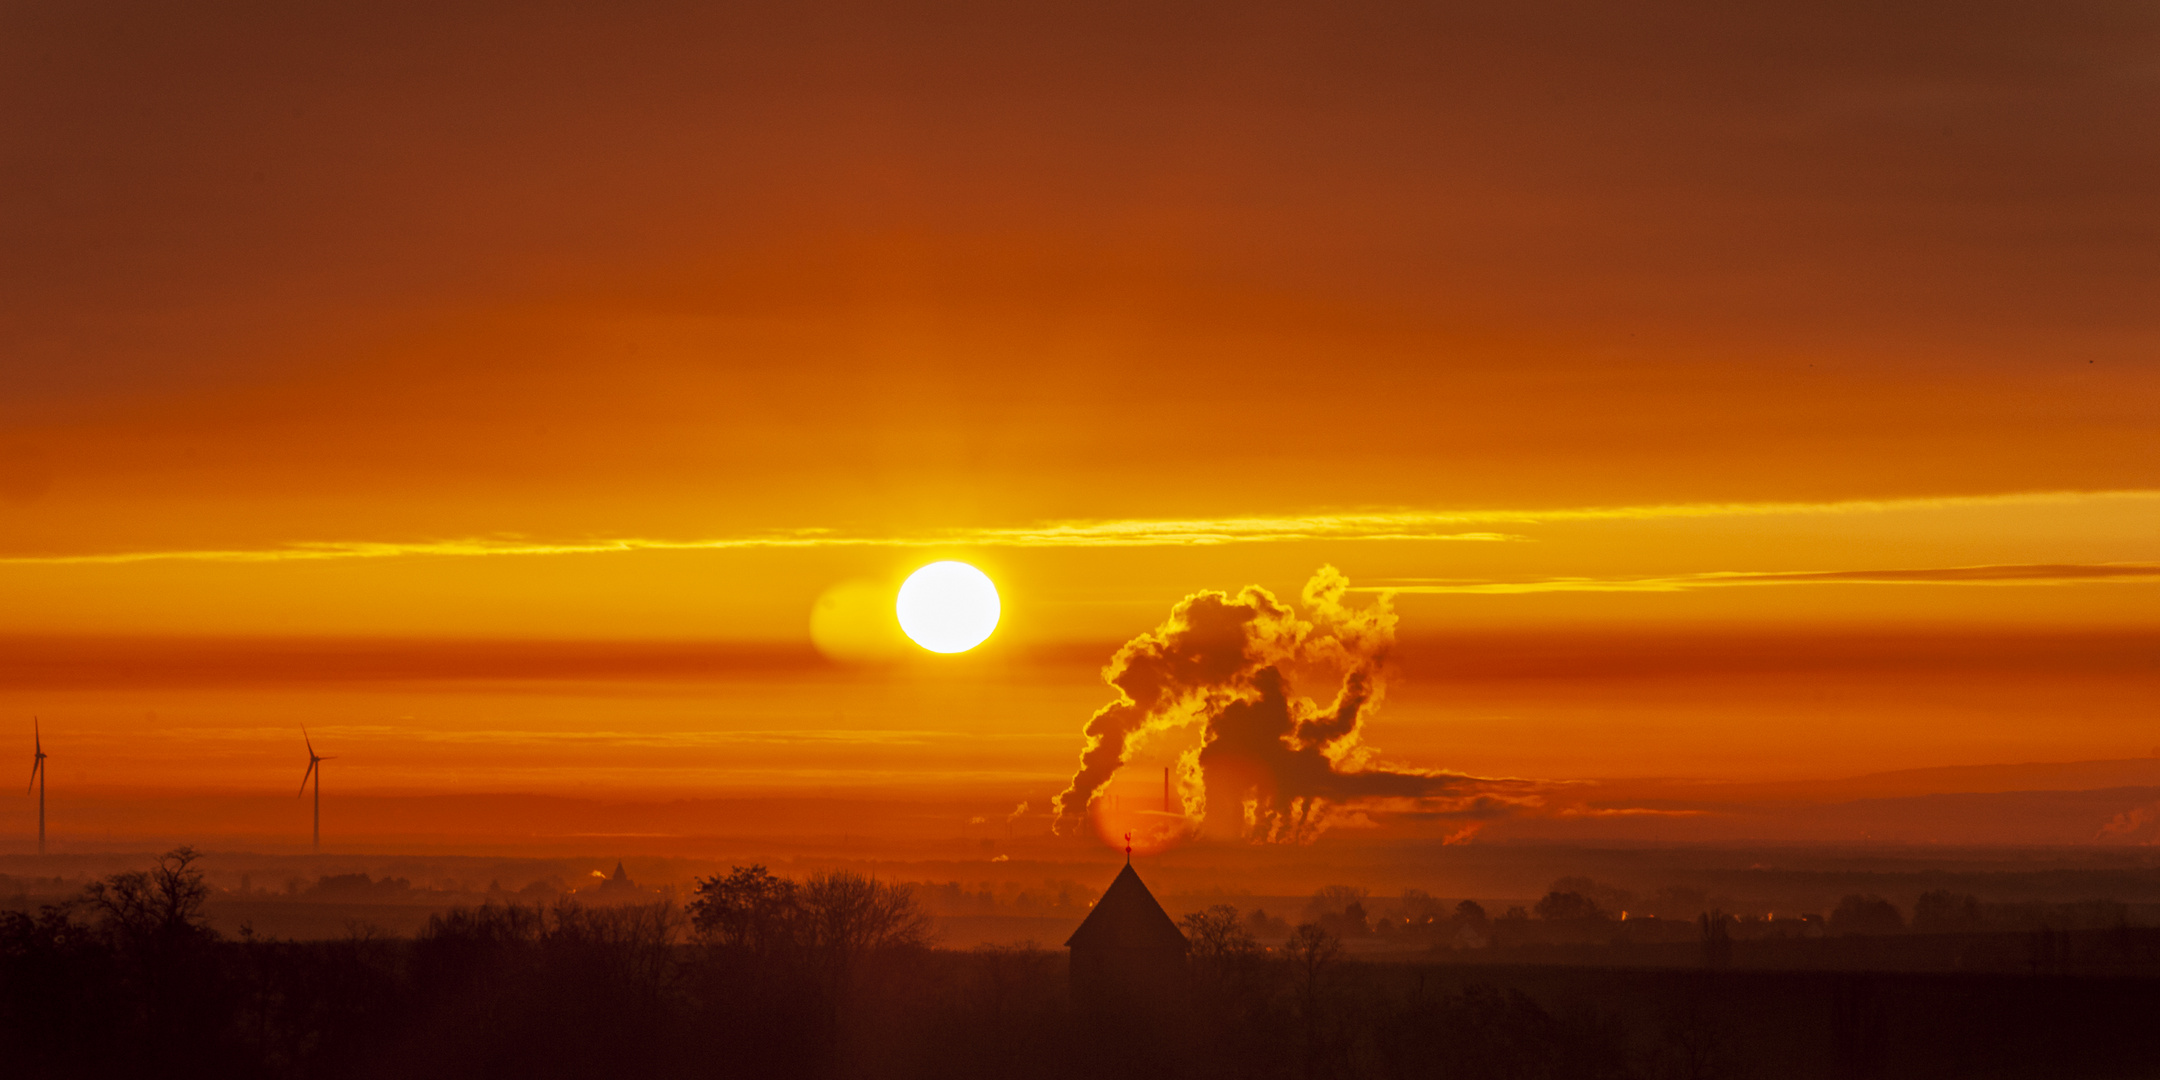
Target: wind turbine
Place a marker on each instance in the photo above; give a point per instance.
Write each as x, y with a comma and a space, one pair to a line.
314, 769
37, 780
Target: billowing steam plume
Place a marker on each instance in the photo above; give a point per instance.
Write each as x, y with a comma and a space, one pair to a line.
1271, 765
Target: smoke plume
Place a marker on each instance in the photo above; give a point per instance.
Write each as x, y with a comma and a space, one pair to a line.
2139, 824
1271, 765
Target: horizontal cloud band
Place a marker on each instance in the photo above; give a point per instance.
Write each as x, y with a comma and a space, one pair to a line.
1392, 525
2021, 574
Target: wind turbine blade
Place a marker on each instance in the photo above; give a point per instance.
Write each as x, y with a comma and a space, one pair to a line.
304, 778
36, 764
310, 742
37, 737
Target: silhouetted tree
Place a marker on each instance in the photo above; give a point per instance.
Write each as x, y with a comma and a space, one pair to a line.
1866, 915
625, 949
748, 910
1566, 907
1420, 909
845, 916
160, 907
1605, 897
514, 989
1340, 909
1312, 953
1716, 931
1333, 899
1942, 911
1678, 902
1264, 925
1218, 936
134, 966
125, 980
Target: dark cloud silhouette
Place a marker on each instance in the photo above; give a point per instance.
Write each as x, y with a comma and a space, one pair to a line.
1271, 765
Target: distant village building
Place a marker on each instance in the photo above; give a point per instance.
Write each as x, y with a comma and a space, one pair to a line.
1128, 951
613, 888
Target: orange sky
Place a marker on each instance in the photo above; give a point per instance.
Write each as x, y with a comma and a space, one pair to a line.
1751, 394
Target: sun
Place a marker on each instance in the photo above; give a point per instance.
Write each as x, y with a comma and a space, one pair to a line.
948, 607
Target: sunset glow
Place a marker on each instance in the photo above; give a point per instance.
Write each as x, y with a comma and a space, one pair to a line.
830, 539
1769, 402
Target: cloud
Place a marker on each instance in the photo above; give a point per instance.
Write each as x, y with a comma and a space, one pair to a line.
812, 738
1099, 534
1454, 526
2138, 825
2017, 574
1271, 765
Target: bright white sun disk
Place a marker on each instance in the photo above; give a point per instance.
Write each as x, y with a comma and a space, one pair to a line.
948, 607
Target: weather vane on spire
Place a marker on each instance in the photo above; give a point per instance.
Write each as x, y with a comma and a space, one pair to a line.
1128, 849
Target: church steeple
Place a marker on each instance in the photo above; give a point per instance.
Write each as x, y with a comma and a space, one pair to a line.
1128, 951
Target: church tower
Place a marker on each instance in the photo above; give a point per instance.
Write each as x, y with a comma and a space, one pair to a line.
1127, 952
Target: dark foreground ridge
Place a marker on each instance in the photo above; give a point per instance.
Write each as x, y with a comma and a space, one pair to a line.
832, 976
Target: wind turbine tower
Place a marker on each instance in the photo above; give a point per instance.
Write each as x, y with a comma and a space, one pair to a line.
37, 780
314, 769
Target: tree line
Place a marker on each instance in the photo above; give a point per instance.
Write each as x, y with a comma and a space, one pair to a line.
837, 975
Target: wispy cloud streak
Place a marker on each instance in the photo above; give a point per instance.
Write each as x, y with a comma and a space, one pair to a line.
808, 737
1474, 526
1100, 534
2022, 574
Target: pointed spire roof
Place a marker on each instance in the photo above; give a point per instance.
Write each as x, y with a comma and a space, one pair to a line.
1127, 917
